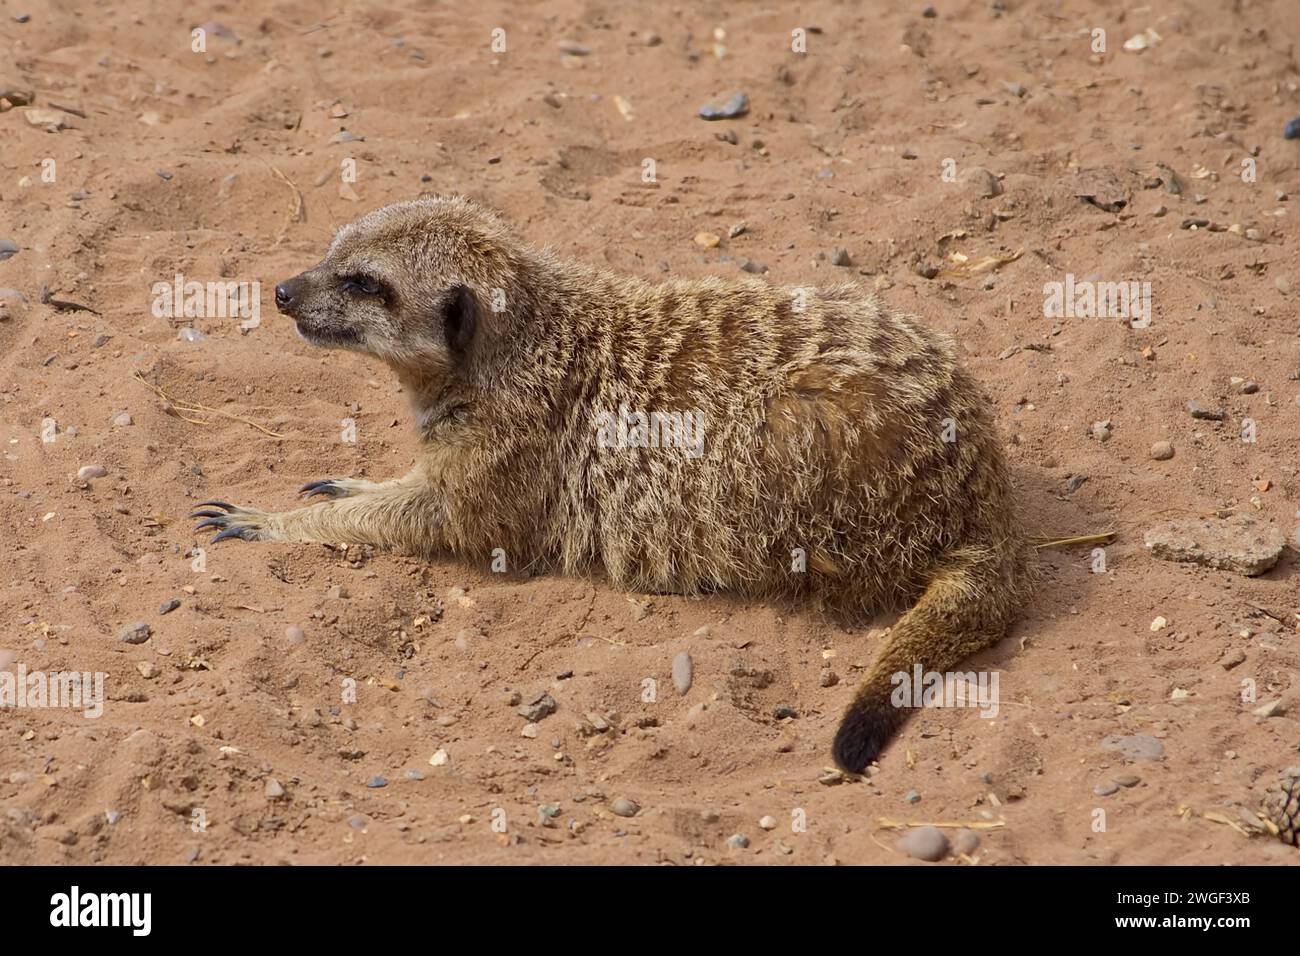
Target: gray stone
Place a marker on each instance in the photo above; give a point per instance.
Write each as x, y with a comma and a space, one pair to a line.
624, 807
924, 843
540, 706
1135, 746
966, 842
683, 672
983, 182
136, 633
1243, 543
1204, 412
728, 106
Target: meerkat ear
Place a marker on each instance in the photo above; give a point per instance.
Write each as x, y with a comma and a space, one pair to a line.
460, 318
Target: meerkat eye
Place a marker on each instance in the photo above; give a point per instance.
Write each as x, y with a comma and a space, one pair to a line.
364, 284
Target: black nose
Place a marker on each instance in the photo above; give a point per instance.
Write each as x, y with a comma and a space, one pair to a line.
284, 293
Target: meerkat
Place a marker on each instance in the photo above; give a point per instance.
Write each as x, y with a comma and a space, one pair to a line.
840, 453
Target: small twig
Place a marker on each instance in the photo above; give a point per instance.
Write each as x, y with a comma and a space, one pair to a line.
68, 109
888, 824
179, 405
1105, 537
299, 208
63, 305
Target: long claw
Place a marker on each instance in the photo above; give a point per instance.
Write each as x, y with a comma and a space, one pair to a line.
215, 521
326, 488
217, 504
231, 533
207, 514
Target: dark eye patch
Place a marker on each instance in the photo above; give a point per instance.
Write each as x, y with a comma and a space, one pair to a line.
364, 284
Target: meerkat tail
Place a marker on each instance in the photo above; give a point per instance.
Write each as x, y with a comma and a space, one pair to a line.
965, 608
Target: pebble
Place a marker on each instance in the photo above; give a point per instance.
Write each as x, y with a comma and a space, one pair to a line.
841, 257
1248, 387
1105, 789
8, 248
414, 775
1275, 708
728, 106
827, 678
136, 633
707, 240
623, 807
1162, 451
683, 672
122, 419
985, 184
752, 265
540, 706
574, 48
1204, 413
439, 758
1243, 543
294, 633
1233, 658
273, 790
912, 797
767, 823
168, 606
1135, 746
1128, 780
782, 711
1101, 430
190, 335
966, 842
376, 782
924, 843
737, 841
86, 472
1292, 129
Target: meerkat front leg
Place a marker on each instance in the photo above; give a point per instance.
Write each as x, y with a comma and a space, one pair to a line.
348, 487
391, 515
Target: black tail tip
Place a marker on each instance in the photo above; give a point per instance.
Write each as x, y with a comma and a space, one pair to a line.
864, 733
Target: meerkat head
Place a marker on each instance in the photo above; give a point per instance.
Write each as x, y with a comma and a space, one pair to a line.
417, 284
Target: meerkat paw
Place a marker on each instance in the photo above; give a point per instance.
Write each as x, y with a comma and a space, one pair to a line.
335, 488
248, 524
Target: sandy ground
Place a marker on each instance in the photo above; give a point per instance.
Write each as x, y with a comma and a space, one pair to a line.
229, 737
